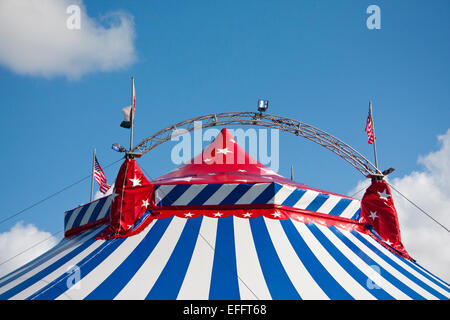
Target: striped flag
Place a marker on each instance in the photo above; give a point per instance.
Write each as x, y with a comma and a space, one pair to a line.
369, 127
99, 176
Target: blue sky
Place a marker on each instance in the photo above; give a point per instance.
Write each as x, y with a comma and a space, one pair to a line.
316, 61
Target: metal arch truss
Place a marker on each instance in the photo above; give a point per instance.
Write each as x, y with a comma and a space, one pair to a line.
340, 148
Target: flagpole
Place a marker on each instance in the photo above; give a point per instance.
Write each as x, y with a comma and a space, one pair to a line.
132, 113
374, 136
92, 179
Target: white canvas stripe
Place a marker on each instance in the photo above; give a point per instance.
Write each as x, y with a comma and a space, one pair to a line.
105, 208
88, 213
302, 280
251, 194
331, 265
306, 199
388, 267
399, 261
363, 266
189, 194
144, 279
351, 209
197, 280
72, 218
329, 204
163, 191
39, 267
252, 284
102, 271
221, 194
282, 194
56, 273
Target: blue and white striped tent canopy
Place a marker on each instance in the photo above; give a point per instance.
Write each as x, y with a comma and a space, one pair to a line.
223, 258
191, 254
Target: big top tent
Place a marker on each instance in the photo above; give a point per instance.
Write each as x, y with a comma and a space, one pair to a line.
226, 227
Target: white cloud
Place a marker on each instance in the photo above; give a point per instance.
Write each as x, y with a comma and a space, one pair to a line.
35, 39
18, 239
428, 188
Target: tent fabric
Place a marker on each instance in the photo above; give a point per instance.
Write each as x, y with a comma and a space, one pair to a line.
257, 194
133, 194
224, 258
378, 210
223, 161
226, 230
248, 195
87, 216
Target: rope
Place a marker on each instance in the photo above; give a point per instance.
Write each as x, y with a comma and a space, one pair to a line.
41, 201
353, 195
410, 201
420, 209
52, 195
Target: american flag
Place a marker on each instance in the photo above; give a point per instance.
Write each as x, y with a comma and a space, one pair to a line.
369, 127
100, 177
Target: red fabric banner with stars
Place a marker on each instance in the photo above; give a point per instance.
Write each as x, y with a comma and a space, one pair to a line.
133, 195
378, 210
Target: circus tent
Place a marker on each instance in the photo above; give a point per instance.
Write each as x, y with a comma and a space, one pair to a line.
223, 226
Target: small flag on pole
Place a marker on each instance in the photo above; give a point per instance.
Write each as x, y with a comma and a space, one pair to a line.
126, 123
99, 176
128, 112
369, 128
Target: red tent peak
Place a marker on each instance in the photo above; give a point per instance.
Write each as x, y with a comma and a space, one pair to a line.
222, 161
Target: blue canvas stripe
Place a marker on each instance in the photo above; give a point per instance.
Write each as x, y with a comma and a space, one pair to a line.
278, 282
236, 194
317, 202
205, 194
174, 194
43, 273
293, 197
340, 207
369, 261
398, 267
224, 280
171, 278
98, 208
266, 195
141, 220
120, 277
277, 187
346, 264
319, 273
80, 216
49, 255
55, 288
67, 216
357, 215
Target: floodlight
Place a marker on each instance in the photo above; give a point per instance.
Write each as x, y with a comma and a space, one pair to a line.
263, 105
117, 147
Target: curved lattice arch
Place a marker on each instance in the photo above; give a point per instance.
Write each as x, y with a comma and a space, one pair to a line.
324, 139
